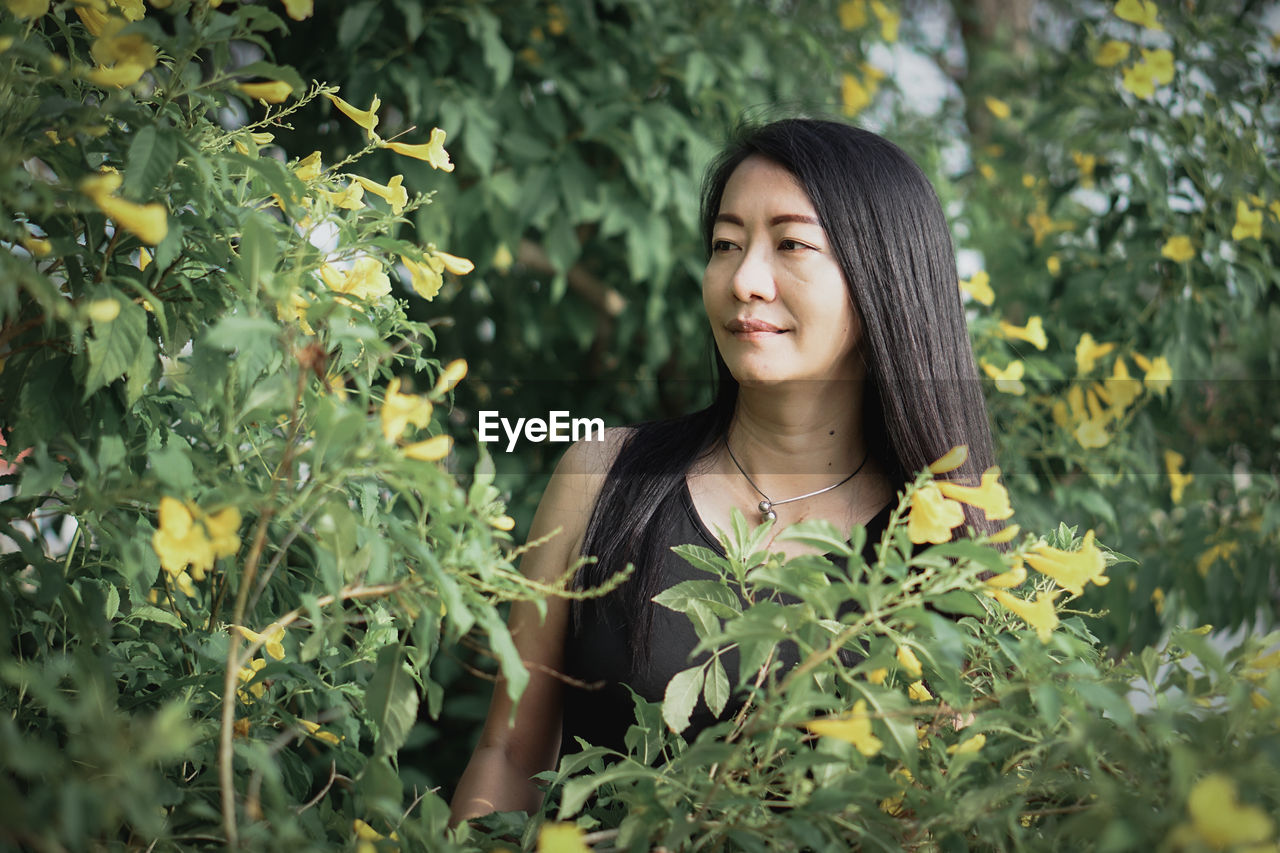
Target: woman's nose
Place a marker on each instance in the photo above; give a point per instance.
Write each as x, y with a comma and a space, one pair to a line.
753, 279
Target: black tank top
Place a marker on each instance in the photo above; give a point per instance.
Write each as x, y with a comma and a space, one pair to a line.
599, 655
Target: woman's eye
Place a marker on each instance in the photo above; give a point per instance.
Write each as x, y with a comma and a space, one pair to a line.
791, 245
721, 246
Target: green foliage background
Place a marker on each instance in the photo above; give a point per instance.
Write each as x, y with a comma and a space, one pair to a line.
580, 131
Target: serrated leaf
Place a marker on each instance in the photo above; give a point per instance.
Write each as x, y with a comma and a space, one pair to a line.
391, 700
820, 534
148, 613
114, 346
716, 690
680, 697
702, 558
513, 669
717, 597
151, 156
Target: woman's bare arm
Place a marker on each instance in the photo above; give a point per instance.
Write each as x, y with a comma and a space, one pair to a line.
498, 776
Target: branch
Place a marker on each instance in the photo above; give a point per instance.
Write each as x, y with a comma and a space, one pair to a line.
603, 298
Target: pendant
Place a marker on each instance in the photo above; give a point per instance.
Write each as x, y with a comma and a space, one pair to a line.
766, 511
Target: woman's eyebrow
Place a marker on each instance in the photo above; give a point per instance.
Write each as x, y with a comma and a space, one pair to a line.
734, 219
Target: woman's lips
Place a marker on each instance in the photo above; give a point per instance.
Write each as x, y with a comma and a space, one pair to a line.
748, 329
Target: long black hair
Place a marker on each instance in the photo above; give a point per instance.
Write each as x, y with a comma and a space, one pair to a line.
922, 395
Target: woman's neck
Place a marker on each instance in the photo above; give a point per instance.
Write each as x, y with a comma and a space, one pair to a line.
799, 436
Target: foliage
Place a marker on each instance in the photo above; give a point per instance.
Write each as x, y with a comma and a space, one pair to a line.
958, 727
200, 341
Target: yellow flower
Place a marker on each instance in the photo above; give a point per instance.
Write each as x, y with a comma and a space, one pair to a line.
909, 662
431, 450
932, 516
853, 14
1122, 389
1039, 614
1248, 222
1011, 579
853, 727
503, 522
998, 108
978, 286
119, 76
889, 20
1053, 264
1042, 225
112, 48
1161, 64
1157, 599
1139, 80
990, 496
273, 643
1140, 12
309, 168
393, 192
854, 97
299, 10
93, 14
453, 373
432, 151
1178, 481
503, 259
878, 675
424, 276
561, 838
951, 460
1071, 570
1088, 351
27, 9
367, 119
1005, 534
453, 263
918, 692
367, 838
1274, 207
987, 171
180, 541
295, 311
271, 91
1220, 551
400, 410
314, 730
223, 528
1008, 380
247, 674
350, 198
1032, 333
1219, 819
364, 280
1178, 249
968, 747
1111, 53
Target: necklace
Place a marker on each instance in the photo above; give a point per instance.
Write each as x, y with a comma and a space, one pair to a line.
766, 506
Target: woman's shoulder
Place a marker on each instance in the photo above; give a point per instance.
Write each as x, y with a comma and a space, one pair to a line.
593, 458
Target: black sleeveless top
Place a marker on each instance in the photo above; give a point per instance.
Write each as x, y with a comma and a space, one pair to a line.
599, 654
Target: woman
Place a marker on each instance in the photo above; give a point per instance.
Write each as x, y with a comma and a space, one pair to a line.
844, 367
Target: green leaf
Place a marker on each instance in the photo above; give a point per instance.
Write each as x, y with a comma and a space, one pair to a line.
148, 613
680, 697
716, 692
703, 558
391, 700
114, 345
959, 601
820, 534
715, 595
151, 156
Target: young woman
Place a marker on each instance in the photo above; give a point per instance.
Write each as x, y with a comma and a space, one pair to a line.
844, 367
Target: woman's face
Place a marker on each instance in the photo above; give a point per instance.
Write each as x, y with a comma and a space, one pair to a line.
774, 294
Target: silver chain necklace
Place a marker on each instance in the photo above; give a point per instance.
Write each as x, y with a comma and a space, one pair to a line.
766, 506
